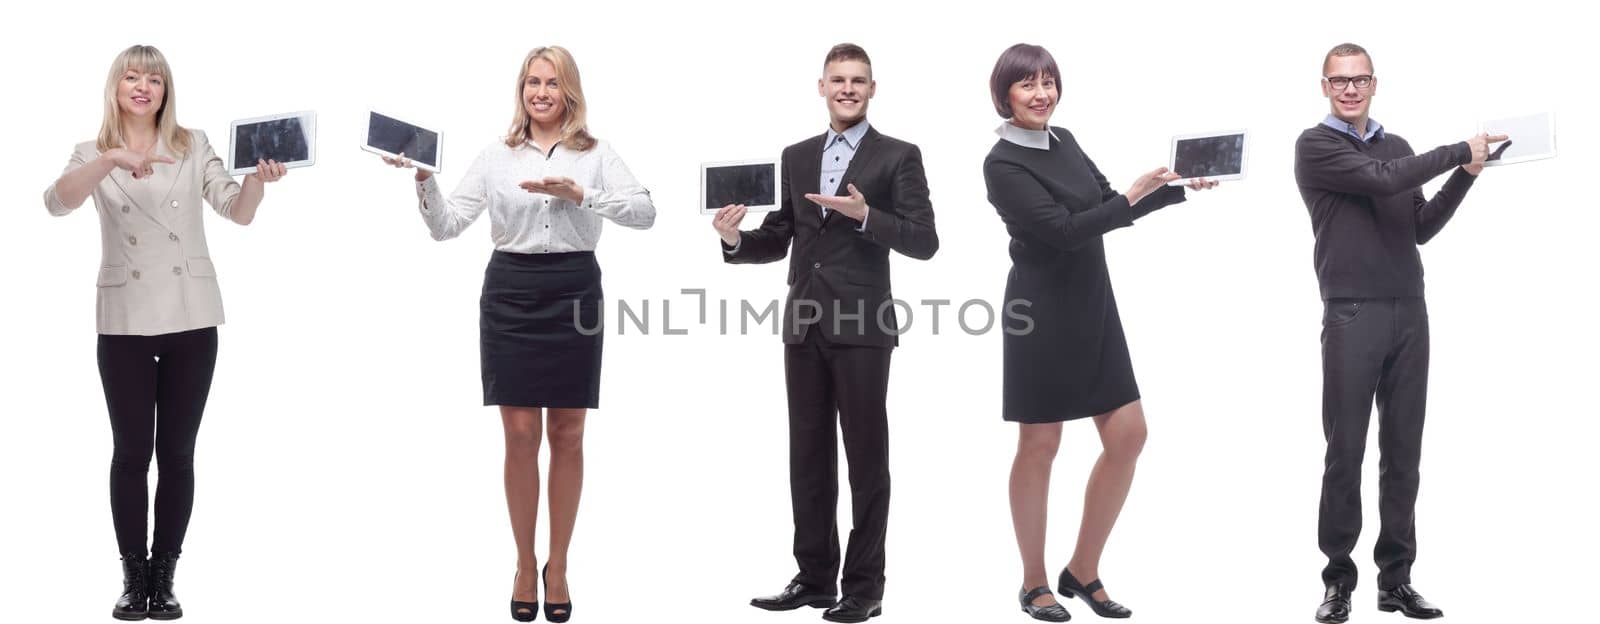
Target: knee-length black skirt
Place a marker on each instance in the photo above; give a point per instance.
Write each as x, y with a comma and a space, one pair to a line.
539, 329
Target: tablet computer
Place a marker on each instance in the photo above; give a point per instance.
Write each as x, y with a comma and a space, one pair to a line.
289, 138
753, 183
1214, 156
1532, 137
387, 136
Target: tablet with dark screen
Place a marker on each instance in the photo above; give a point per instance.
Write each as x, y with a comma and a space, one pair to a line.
1214, 156
391, 137
288, 138
753, 183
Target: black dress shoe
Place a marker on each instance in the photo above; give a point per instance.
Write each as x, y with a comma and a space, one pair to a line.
794, 596
853, 609
1048, 613
163, 604
554, 611
134, 603
1069, 587
1403, 599
1335, 607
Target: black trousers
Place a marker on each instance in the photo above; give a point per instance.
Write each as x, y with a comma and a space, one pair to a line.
156, 389
1372, 348
824, 379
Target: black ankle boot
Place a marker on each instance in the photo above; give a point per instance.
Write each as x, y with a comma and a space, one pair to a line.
163, 604
134, 603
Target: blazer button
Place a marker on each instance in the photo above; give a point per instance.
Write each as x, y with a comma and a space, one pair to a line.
136, 274
133, 240
174, 203
817, 265
173, 237
177, 271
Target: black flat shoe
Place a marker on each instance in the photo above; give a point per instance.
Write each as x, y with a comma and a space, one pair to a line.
1335, 608
134, 603
163, 603
1403, 599
852, 609
523, 611
1106, 608
1070, 587
550, 608
794, 596
1048, 613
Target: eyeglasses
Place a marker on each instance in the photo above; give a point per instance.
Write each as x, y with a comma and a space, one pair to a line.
1362, 82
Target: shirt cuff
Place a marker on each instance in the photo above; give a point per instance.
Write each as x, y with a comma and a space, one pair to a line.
734, 249
589, 195
864, 217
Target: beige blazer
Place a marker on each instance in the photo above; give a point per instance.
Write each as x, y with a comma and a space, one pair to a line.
156, 275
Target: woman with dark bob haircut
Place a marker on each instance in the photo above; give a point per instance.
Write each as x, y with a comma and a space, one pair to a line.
1073, 361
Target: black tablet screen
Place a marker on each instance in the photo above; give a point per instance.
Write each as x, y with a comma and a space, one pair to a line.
398, 137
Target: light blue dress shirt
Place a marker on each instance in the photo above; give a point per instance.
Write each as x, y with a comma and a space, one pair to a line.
1374, 129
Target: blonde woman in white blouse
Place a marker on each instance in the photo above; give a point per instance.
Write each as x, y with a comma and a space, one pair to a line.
546, 188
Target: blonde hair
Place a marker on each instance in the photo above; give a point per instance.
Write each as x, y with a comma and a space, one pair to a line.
144, 59
574, 122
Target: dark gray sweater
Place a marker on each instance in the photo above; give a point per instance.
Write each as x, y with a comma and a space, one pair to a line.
1368, 211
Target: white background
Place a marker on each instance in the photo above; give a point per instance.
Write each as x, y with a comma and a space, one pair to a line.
347, 472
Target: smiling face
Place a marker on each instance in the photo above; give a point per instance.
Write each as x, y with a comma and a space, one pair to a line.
1033, 100
541, 94
847, 85
140, 94
1350, 104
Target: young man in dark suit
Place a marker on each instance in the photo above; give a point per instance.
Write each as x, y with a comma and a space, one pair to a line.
848, 197
1362, 185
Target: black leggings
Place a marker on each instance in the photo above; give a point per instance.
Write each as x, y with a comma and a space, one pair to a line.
156, 388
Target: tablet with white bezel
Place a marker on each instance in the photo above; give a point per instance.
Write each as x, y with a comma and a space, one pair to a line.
387, 136
288, 138
753, 183
1215, 156
1532, 137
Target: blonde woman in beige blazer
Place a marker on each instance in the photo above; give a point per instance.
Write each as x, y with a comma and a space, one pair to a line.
157, 305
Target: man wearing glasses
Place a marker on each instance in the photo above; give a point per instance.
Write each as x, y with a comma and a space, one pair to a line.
1362, 186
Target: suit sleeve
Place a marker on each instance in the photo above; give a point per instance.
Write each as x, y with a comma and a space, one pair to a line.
770, 242
1333, 164
908, 227
216, 185
52, 200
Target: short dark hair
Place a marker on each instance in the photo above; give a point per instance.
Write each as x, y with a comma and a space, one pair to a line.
1019, 62
847, 52
1345, 49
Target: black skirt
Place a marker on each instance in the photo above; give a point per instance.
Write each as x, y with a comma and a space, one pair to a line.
539, 330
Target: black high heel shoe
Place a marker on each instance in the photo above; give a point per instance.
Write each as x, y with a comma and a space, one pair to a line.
1048, 613
1069, 587
523, 611
550, 608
